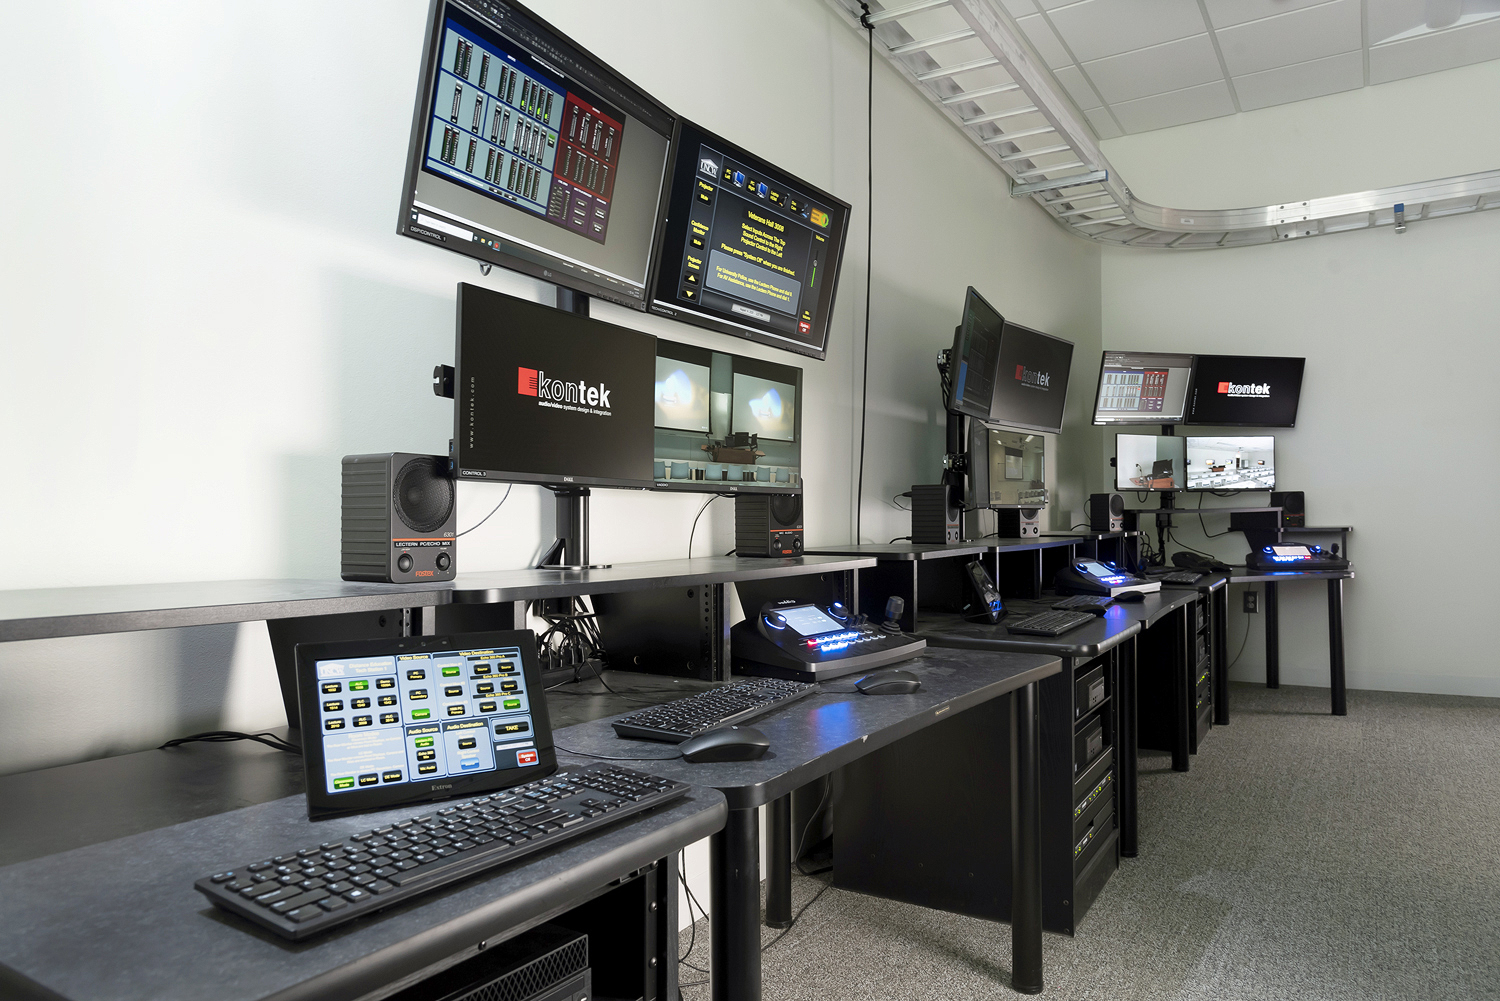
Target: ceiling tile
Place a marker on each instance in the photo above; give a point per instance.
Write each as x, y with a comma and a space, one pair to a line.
1210, 100
1439, 50
1184, 63
1394, 17
1045, 42
1104, 125
1098, 28
1078, 88
1296, 37
1020, 8
1224, 13
1285, 84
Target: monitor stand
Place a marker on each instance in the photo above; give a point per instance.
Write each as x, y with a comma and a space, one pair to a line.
570, 550
1168, 503
570, 301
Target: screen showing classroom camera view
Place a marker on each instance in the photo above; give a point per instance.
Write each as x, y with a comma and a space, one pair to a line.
1149, 462
764, 408
1231, 463
681, 395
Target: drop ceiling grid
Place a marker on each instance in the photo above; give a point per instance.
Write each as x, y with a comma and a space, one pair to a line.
1138, 65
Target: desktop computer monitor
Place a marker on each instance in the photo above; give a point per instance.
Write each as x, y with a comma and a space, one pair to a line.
1223, 463
1246, 391
550, 397
762, 405
529, 153
1006, 468
1031, 380
1143, 387
976, 353
1150, 462
682, 388
745, 248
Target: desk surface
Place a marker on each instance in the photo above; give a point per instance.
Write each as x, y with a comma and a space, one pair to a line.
1280, 576
1119, 623
911, 551
827, 730
119, 919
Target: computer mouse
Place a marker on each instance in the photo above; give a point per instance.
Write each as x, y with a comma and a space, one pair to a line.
1131, 596
729, 743
889, 683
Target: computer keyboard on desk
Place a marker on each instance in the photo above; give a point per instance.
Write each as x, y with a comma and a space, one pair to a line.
734, 703
1050, 623
305, 891
1082, 602
1181, 577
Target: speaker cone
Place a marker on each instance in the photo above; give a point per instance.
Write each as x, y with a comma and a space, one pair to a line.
423, 496
786, 510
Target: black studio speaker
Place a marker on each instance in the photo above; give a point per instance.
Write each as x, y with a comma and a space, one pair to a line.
937, 517
768, 524
1293, 511
399, 518
1018, 523
1106, 512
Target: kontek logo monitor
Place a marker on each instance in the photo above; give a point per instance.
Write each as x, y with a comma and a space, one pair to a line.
1250, 389
534, 382
1033, 378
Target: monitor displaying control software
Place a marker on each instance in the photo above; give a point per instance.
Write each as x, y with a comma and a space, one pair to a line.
1225, 463
528, 152
1150, 462
1143, 387
975, 355
745, 248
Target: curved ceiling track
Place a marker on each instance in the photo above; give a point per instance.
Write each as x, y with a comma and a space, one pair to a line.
967, 58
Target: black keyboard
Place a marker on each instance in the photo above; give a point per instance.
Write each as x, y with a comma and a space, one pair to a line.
1051, 623
734, 703
303, 892
1181, 577
1081, 602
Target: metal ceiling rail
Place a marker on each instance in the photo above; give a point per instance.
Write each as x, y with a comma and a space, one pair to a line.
993, 92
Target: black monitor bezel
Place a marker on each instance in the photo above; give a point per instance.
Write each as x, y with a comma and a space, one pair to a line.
322, 804
1147, 421
416, 144
677, 311
1062, 411
1145, 490
971, 410
1228, 490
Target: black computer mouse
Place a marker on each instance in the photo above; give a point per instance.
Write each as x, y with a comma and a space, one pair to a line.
889, 683
729, 743
1131, 596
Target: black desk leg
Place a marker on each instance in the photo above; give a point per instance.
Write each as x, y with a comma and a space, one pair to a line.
779, 862
1336, 644
1273, 638
1026, 869
1219, 603
1126, 745
734, 895
1182, 693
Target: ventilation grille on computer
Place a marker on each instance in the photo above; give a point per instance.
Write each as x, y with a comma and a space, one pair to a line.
536, 976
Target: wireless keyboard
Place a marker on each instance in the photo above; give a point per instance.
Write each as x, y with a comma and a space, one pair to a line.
306, 891
675, 722
1080, 602
1051, 623
1181, 577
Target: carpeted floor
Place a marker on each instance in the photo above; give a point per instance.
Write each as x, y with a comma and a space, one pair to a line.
1304, 857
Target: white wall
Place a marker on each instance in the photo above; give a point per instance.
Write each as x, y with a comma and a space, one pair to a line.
1397, 430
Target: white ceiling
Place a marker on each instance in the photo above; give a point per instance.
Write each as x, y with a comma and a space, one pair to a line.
1138, 65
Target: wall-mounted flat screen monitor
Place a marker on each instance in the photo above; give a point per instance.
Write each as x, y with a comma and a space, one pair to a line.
1031, 380
1246, 391
1143, 387
1225, 463
746, 248
764, 407
547, 396
1150, 462
528, 152
976, 352
1006, 468
682, 395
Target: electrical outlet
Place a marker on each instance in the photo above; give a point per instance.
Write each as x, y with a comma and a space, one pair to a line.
1252, 602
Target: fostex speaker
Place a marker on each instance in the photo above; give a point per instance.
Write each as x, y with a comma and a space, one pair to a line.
1106, 512
1293, 510
399, 518
768, 524
936, 515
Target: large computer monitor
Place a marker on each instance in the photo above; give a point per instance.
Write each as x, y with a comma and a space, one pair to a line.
1150, 462
1245, 391
1006, 468
546, 396
1031, 380
1143, 387
746, 248
528, 152
1222, 463
976, 353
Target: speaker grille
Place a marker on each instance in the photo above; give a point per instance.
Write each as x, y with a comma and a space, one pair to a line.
786, 511
423, 494
536, 976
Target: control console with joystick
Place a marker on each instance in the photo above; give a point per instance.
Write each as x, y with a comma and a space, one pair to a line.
807, 642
